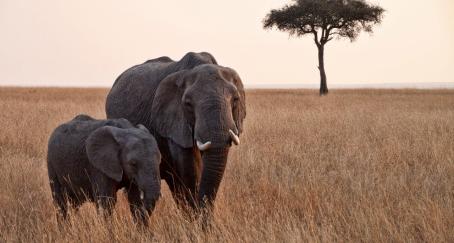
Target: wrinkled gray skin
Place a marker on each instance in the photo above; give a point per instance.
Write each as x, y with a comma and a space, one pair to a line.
90, 160
180, 103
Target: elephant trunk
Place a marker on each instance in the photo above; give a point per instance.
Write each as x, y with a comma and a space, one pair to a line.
151, 195
150, 201
214, 162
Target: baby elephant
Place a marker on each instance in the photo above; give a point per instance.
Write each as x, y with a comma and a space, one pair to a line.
90, 160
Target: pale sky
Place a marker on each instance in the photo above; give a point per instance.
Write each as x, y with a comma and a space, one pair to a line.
89, 43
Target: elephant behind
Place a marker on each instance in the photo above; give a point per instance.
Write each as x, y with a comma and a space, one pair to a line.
90, 160
195, 108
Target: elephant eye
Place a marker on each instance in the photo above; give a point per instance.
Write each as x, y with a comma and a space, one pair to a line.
235, 100
188, 104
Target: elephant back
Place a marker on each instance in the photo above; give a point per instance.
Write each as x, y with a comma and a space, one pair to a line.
133, 92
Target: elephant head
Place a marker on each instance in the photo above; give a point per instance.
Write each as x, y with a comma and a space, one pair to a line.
132, 153
202, 108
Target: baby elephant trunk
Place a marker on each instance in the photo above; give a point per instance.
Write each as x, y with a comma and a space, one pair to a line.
150, 198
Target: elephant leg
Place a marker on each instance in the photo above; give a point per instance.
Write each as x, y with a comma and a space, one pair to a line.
187, 185
60, 202
138, 211
105, 205
183, 199
184, 179
105, 195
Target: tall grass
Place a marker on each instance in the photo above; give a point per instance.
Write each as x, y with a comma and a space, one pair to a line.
357, 165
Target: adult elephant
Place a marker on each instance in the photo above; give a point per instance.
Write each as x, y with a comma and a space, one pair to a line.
195, 108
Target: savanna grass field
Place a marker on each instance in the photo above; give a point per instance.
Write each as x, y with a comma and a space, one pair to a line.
353, 166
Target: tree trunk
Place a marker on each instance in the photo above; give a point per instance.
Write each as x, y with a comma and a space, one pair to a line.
321, 67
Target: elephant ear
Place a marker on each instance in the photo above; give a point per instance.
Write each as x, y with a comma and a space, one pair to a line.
239, 112
103, 151
167, 112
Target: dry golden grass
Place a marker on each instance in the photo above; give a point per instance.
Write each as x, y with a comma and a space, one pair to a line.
355, 166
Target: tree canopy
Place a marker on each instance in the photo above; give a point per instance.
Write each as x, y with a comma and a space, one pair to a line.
325, 19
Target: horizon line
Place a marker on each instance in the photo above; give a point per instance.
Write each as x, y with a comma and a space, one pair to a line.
413, 85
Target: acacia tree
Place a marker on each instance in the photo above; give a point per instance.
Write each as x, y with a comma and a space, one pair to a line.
325, 20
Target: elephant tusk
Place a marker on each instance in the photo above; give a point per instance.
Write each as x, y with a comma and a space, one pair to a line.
235, 138
141, 195
203, 146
